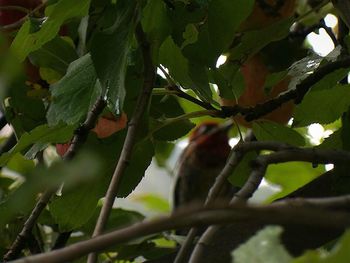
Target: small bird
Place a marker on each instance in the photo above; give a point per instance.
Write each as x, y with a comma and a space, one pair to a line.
201, 162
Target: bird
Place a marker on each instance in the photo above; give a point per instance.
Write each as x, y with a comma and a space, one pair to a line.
201, 162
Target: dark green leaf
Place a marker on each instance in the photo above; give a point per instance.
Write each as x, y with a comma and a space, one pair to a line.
56, 54
271, 131
27, 42
163, 151
73, 173
172, 131
322, 106
224, 18
156, 24
75, 93
253, 41
118, 218
338, 254
141, 158
243, 170
110, 47
191, 76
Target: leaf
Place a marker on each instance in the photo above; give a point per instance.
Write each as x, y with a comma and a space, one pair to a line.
338, 254
141, 158
264, 247
182, 71
27, 42
118, 218
75, 93
253, 41
22, 200
153, 202
57, 54
156, 24
163, 151
75, 207
110, 47
172, 131
291, 176
42, 134
271, 131
322, 106
243, 170
333, 141
224, 18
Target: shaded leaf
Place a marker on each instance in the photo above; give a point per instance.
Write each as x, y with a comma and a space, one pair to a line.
339, 254
75, 93
57, 54
224, 18
110, 47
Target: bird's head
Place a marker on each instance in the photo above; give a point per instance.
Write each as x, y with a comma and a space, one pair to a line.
211, 135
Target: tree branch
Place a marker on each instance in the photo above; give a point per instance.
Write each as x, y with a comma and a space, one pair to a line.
297, 94
214, 214
78, 139
311, 155
143, 100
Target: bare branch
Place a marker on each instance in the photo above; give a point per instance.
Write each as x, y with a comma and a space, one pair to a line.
213, 214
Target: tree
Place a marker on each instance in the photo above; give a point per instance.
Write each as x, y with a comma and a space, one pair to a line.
113, 84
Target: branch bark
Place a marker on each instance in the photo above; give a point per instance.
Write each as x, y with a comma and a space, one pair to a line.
285, 213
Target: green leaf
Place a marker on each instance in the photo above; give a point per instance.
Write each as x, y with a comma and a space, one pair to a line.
322, 106
42, 134
291, 176
154, 202
141, 158
243, 170
333, 141
339, 254
224, 18
73, 173
75, 93
56, 54
271, 131
253, 41
156, 24
263, 247
118, 218
172, 131
163, 151
27, 42
182, 71
110, 47
76, 205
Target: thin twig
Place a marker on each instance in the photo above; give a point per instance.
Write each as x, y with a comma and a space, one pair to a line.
78, 139
297, 94
193, 216
143, 100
